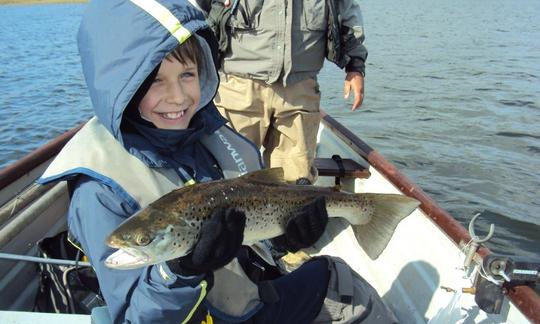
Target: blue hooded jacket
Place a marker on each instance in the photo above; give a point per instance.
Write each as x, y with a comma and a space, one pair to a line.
120, 43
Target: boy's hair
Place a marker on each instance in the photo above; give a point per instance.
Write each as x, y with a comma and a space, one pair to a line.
189, 50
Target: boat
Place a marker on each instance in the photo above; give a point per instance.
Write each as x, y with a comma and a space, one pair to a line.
433, 269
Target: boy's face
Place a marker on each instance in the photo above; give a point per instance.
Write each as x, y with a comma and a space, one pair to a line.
174, 96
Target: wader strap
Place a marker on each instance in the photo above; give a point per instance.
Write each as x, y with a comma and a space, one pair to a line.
345, 282
339, 163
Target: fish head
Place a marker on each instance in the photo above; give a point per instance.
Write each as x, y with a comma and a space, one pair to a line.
150, 237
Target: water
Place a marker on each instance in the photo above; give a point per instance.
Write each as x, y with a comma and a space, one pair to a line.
42, 90
452, 99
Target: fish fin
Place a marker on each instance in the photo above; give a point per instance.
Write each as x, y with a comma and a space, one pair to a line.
271, 175
389, 210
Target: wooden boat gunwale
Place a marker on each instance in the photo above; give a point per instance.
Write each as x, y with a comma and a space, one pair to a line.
14, 171
523, 297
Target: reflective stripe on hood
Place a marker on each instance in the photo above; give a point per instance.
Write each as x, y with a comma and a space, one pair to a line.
122, 41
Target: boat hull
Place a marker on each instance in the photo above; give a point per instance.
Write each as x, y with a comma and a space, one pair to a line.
420, 274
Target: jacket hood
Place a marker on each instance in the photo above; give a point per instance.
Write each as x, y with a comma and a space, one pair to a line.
122, 41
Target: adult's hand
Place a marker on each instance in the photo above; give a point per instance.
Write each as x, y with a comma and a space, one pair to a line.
354, 81
221, 238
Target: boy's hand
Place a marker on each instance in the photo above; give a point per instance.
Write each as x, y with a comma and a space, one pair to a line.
221, 238
304, 228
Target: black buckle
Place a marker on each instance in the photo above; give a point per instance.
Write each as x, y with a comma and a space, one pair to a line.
339, 162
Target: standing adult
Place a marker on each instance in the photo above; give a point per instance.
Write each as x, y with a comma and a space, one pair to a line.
271, 53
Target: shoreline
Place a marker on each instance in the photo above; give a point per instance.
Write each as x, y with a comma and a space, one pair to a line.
30, 2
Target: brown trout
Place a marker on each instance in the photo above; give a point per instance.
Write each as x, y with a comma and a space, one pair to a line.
169, 227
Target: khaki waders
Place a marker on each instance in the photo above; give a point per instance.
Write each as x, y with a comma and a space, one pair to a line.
283, 120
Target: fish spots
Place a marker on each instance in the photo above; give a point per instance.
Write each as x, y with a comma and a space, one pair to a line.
365, 209
366, 206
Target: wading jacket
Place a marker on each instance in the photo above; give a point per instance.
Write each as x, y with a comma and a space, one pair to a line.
287, 41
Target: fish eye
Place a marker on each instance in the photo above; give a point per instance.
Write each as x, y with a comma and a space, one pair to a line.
142, 240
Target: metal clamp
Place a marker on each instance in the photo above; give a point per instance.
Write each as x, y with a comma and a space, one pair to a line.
475, 241
475, 237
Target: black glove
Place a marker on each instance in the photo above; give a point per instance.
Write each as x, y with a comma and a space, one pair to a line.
304, 228
221, 237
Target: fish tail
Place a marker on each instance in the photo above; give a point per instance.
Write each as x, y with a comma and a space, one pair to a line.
387, 211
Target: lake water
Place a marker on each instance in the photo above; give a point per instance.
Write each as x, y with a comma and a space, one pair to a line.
452, 99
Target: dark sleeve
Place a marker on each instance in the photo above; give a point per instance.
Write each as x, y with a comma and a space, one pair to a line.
205, 5
353, 36
151, 294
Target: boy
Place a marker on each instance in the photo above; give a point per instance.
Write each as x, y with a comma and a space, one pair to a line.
152, 78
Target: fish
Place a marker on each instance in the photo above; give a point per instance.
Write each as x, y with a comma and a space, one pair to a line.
169, 227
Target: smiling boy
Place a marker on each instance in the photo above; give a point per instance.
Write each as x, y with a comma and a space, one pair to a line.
172, 99
151, 76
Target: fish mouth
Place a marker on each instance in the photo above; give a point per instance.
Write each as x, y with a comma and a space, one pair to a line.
127, 258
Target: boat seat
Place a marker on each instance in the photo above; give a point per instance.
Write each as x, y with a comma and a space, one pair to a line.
341, 168
100, 315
